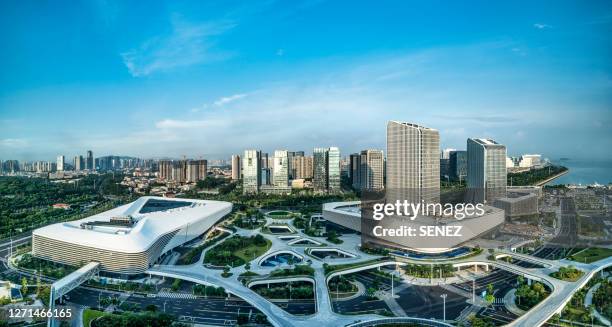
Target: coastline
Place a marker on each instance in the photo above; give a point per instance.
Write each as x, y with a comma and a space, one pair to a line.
551, 178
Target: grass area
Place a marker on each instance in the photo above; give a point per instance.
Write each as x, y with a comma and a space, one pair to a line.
279, 214
251, 252
193, 255
237, 250
589, 255
89, 315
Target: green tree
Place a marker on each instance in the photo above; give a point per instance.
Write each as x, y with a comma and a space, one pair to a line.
24, 286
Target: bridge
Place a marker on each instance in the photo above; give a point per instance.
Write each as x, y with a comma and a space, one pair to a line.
70, 282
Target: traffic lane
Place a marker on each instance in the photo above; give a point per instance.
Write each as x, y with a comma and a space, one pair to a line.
427, 302
360, 304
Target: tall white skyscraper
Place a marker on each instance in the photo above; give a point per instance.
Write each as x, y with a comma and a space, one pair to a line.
280, 169
486, 170
236, 169
251, 171
413, 163
60, 163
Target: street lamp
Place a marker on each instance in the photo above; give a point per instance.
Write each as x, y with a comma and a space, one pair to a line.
443, 296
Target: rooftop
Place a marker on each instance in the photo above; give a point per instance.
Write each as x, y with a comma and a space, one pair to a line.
133, 227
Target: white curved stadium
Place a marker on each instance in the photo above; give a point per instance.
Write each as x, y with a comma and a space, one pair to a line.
128, 239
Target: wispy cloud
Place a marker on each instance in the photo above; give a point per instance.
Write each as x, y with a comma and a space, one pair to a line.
187, 44
13, 143
541, 26
178, 124
225, 100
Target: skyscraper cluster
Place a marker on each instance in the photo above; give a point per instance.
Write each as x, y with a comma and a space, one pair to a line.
183, 171
413, 165
272, 174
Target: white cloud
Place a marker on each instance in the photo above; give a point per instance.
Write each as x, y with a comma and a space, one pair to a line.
13, 143
225, 100
541, 26
187, 44
177, 124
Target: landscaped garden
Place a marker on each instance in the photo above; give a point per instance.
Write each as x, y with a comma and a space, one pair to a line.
279, 214
589, 255
291, 290
341, 287
46, 268
237, 250
193, 255
569, 273
298, 270
602, 299
527, 296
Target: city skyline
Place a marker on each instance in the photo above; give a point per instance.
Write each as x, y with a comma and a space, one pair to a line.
525, 81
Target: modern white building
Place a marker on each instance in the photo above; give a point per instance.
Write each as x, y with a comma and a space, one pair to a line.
129, 239
530, 160
487, 173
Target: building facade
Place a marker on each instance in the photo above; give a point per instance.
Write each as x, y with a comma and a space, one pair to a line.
458, 166
236, 169
486, 173
302, 167
413, 163
251, 171
280, 169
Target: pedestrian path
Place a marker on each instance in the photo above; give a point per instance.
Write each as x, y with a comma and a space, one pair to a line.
172, 295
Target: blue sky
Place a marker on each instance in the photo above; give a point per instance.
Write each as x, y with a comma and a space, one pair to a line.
202, 78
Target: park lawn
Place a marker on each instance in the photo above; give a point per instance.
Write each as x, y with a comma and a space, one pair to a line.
591, 255
279, 214
253, 251
89, 315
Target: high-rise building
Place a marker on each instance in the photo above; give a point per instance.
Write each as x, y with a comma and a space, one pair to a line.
193, 171
251, 171
281, 168
486, 170
333, 169
355, 170
367, 170
413, 163
302, 167
60, 163
78, 163
89, 163
372, 166
264, 160
319, 179
326, 169
165, 169
458, 165
236, 169
202, 168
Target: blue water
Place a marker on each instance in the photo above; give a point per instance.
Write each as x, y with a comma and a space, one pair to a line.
584, 172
